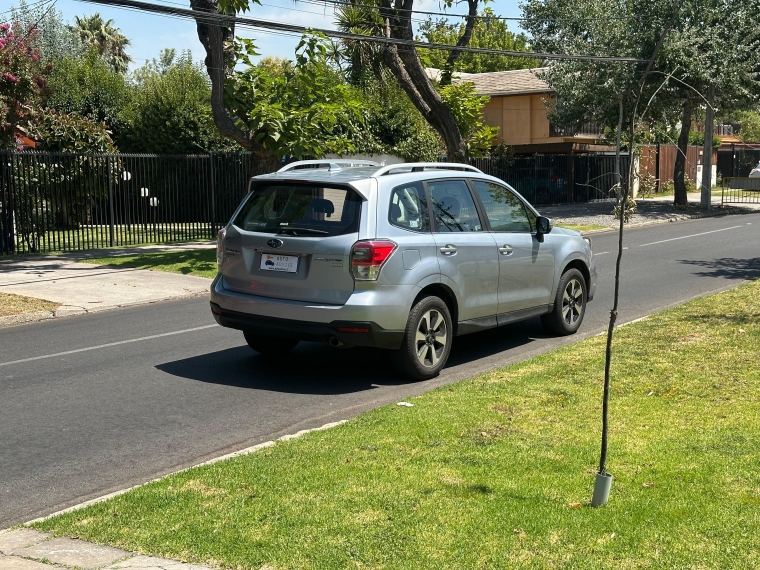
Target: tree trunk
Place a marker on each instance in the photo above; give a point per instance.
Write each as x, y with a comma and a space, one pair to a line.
405, 64
219, 63
263, 161
679, 171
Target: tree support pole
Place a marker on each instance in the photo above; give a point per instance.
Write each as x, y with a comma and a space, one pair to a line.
707, 153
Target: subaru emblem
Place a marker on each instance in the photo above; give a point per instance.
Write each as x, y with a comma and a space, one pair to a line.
275, 243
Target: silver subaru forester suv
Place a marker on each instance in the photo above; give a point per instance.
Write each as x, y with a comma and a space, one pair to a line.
402, 257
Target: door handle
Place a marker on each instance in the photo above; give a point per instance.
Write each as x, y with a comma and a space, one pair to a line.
505, 250
448, 249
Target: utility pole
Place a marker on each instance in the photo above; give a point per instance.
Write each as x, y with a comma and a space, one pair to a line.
707, 153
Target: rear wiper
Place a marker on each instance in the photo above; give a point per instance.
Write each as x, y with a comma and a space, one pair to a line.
300, 231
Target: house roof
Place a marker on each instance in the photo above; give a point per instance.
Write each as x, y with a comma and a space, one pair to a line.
435, 74
515, 82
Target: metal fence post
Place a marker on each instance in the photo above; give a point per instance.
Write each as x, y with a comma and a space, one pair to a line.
213, 194
110, 201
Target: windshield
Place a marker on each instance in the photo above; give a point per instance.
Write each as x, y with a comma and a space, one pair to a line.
298, 209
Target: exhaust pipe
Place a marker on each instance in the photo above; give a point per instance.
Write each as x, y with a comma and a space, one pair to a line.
336, 342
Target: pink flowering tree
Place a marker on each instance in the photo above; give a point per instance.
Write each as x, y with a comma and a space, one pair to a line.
21, 79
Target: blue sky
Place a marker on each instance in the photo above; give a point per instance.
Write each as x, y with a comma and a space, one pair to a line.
149, 33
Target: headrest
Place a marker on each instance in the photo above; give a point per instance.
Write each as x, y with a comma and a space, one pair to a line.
322, 206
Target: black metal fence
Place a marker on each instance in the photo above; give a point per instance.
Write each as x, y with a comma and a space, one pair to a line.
737, 162
67, 202
557, 178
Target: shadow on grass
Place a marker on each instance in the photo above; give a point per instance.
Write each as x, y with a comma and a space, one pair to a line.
315, 368
727, 267
185, 262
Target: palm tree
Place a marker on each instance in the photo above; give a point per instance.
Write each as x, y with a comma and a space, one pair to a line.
360, 56
105, 38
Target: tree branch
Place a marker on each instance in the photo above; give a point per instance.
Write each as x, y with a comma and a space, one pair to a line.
454, 54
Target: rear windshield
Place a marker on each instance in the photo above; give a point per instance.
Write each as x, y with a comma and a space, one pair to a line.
300, 210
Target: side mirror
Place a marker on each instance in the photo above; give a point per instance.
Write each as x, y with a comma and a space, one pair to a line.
543, 226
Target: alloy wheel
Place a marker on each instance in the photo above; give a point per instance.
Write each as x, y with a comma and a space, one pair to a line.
431, 338
572, 302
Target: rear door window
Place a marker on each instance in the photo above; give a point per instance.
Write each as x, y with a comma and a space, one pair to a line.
453, 207
409, 208
299, 209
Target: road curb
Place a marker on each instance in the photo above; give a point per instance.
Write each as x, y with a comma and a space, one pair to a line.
714, 213
239, 453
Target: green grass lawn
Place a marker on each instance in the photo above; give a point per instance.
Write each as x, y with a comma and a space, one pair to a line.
583, 227
200, 262
17, 304
496, 471
99, 237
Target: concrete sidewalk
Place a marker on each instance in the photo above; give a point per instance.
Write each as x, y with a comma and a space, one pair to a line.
27, 549
82, 288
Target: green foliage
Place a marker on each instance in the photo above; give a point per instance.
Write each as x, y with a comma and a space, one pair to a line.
698, 139
749, 130
90, 88
465, 104
488, 32
170, 111
233, 6
647, 185
21, 78
38, 206
626, 209
305, 109
360, 60
392, 124
31, 213
107, 40
54, 38
61, 132
668, 187
691, 55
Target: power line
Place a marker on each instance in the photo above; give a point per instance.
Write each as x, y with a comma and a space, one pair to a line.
30, 7
279, 26
37, 23
480, 17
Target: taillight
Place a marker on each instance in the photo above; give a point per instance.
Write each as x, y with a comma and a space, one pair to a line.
368, 258
220, 249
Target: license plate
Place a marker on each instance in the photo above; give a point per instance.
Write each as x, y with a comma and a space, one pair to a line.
286, 263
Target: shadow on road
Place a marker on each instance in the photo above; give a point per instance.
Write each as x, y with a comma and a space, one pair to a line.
314, 368
727, 267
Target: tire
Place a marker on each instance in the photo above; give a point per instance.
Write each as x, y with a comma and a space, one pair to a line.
269, 345
427, 340
569, 304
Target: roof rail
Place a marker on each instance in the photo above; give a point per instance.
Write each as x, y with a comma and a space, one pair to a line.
420, 166
331, 163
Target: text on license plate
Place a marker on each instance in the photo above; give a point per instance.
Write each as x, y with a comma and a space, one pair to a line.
287, 263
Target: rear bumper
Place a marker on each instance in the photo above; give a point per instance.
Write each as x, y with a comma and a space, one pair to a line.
386, 305
352, 333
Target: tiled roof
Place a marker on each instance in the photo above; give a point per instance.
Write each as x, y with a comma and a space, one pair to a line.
516, 82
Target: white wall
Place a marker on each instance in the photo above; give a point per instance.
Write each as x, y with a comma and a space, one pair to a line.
383, 159
712, 179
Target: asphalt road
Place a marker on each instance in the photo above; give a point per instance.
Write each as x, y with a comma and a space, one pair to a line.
100, 418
